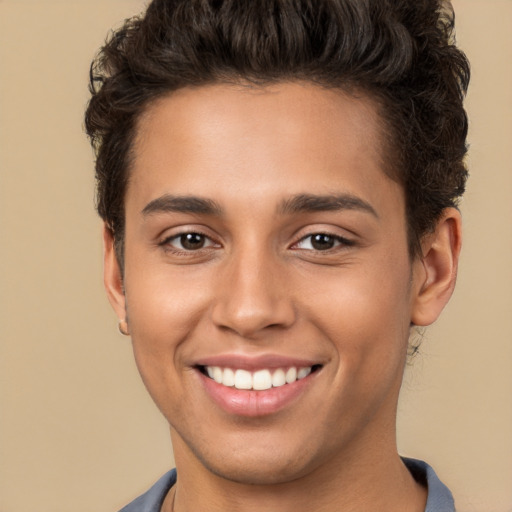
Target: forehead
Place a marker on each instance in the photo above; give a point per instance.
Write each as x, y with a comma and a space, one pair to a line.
290, 108
229, 139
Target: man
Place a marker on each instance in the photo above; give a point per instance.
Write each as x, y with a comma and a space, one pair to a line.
278, 181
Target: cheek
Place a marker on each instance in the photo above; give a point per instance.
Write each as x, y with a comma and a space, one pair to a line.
366, 313
163, 309
368, 329
162, 314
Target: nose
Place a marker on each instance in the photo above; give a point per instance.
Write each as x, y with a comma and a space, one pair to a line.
253, 295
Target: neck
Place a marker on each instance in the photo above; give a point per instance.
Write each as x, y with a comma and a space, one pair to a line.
371, 480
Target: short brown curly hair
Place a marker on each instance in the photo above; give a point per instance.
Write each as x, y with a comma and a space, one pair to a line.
399, 52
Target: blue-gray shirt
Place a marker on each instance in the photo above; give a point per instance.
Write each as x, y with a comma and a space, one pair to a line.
439, 497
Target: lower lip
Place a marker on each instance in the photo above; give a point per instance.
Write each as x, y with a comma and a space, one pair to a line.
252, 403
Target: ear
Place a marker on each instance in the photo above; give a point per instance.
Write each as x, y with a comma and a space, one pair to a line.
435, 272
112, 275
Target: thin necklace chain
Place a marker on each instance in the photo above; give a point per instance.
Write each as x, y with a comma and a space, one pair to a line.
172, 502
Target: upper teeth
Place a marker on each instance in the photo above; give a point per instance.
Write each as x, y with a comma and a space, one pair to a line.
259, 380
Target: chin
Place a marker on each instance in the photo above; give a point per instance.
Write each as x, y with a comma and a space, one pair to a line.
260, 465
258, 472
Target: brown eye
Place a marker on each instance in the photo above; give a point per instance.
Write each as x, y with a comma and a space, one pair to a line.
321, 242
188, 242
192, 241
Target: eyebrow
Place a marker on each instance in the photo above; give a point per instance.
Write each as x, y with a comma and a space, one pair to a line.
182, 204
300, 203
321, 203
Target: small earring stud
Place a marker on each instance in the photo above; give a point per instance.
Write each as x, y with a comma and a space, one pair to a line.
123, 327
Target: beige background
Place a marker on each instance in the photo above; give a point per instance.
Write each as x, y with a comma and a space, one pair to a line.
77, 430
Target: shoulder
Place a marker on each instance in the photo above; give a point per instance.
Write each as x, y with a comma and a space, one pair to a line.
151, 501
440, 498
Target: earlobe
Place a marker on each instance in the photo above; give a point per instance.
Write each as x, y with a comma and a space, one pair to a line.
436, 270
112, 275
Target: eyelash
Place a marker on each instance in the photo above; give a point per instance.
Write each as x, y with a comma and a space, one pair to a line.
337, 240
167, 242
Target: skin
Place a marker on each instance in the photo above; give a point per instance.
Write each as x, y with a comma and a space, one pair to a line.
259, 287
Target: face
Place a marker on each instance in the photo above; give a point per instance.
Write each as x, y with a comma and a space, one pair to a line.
267, 287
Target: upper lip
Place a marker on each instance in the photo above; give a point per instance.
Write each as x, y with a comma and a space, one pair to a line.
253, 363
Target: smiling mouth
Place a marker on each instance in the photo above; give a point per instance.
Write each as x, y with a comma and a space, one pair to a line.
259, 380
